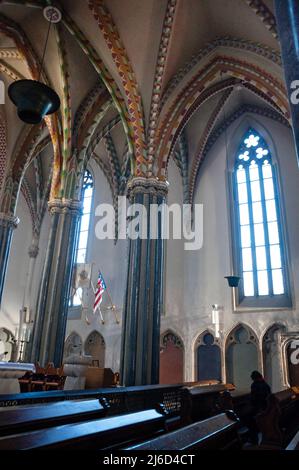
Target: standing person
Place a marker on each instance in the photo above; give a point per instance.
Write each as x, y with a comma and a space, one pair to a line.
260, 391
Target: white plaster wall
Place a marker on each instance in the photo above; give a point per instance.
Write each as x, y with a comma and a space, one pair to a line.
18, 266
204, 270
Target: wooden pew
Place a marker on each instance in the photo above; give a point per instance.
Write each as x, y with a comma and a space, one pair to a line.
28, 418
218, 432
105, 433
200, 402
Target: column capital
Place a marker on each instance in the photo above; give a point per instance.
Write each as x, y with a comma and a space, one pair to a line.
143, 185
8, 220
65, 206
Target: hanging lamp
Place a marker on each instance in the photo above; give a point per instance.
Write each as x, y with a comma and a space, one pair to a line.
233, 280
33, 99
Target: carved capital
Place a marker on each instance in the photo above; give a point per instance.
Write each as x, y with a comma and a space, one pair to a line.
154, 186
65, 206
8, 220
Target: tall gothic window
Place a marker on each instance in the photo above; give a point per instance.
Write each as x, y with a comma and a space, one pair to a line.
80, 257
261, 256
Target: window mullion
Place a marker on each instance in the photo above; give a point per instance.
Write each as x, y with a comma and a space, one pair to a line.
266, 232
252, 236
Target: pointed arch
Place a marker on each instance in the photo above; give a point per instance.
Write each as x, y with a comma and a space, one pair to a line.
241, 356
73, 345
272, 356
259, 256
202, 86
95, 347
207, 358
171, 358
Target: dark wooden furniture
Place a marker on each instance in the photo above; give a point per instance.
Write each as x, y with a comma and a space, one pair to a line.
200, 402
29, 418
105, 433
218, 432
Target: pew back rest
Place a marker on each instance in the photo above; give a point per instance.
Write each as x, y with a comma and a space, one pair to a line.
28, 418
217, 432
105, 433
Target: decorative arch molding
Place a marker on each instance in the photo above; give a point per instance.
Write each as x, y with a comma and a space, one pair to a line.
265, 15
3, 149
224, 42
207, 355
16, 33
172, 357
128, 79
231, 339
95, 346
28, 141
201, 88
225, 124
73, 345
199, 340
242, 355
204, 137
10, 71
170, 336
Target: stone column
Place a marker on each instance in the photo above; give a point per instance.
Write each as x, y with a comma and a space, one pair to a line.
144, 294
7, 224
287, 17
52, 305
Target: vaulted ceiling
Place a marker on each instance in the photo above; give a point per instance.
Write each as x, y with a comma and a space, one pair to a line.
139, 81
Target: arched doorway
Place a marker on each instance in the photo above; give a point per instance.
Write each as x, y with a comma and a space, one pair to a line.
292, 353
73, 345
171, 359
7, 346
241, 356
95, 347
272, 359
208, 357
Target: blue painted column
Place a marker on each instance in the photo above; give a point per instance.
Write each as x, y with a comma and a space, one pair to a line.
47, 341
7, 225
140, 350
287, 17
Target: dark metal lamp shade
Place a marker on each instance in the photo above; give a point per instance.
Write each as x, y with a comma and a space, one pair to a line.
33, 99
233, 281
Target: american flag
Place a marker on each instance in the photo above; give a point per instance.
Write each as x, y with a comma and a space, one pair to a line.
101, 287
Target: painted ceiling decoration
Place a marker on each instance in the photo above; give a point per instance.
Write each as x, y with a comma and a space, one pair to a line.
132, 97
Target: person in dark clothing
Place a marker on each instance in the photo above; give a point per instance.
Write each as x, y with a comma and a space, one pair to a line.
260, 391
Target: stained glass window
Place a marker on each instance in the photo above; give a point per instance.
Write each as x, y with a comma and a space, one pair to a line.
262, 263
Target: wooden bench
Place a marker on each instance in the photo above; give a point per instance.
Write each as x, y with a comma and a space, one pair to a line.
28, 418
218, 432
105, 433
200, 402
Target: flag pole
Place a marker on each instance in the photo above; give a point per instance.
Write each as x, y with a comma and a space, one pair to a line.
98, 308
110, 300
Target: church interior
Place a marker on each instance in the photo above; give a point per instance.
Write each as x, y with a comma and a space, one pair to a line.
114, 341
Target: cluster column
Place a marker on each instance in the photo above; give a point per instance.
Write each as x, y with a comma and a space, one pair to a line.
7, 225
52, 306
144, 294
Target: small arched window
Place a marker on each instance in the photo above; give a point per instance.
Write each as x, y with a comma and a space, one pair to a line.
260, 256
81, 251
